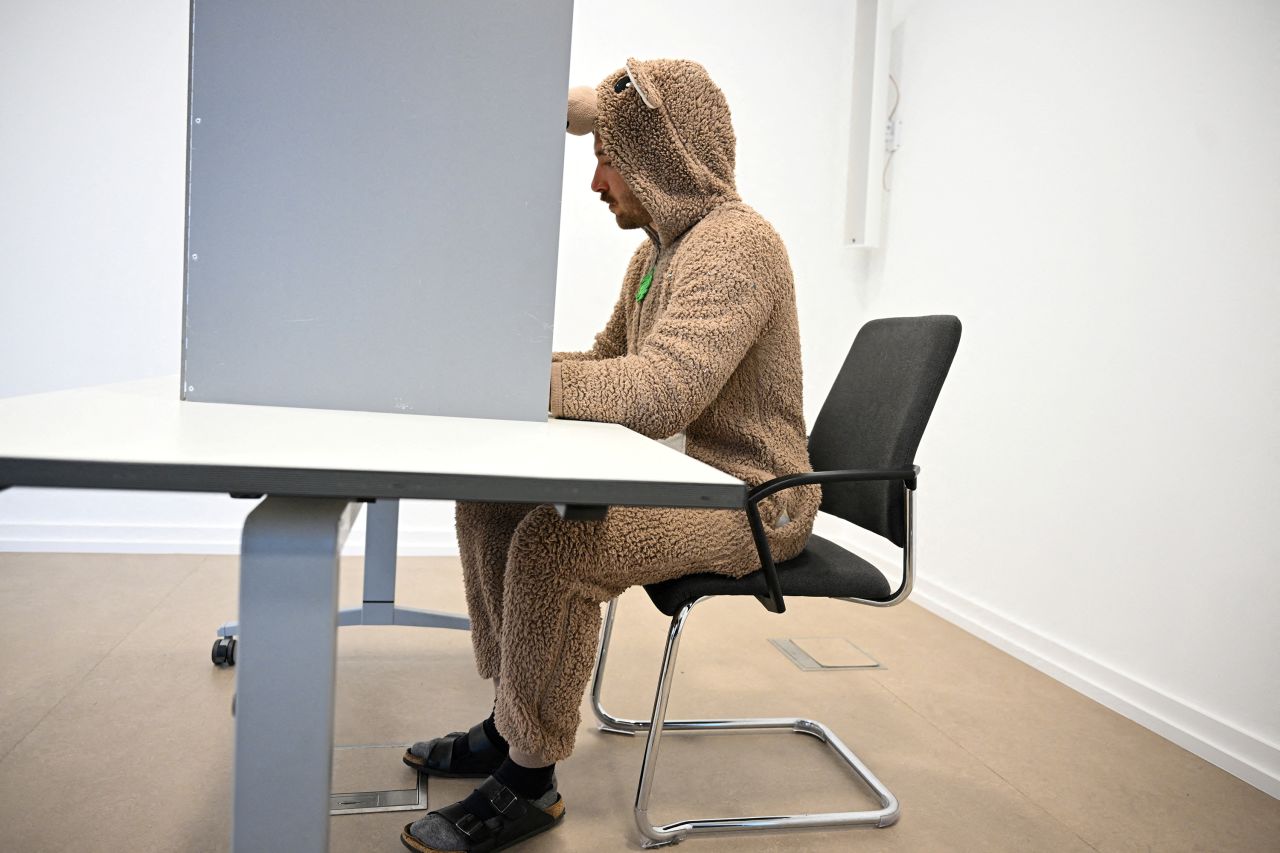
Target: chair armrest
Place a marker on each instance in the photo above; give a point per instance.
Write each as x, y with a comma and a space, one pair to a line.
774, 602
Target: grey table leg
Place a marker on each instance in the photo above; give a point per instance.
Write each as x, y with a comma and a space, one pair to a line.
382, 527
285, 671
379, 607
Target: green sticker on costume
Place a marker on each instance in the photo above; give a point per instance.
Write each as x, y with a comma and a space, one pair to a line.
644, 284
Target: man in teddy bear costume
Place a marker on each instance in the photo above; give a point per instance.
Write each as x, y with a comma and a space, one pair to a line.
702, 350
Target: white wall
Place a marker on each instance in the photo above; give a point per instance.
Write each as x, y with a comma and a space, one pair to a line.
1091, 187
1094, 189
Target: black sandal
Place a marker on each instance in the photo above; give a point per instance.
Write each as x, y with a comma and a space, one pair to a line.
457, 829
435, 757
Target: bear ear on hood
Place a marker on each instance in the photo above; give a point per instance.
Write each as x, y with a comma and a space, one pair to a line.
582, 111
643, 83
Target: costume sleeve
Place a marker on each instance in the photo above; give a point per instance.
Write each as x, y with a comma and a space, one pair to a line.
719, 302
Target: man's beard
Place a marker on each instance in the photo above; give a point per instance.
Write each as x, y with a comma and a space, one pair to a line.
629, 220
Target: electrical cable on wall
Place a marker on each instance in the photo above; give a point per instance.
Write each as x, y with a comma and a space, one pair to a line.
891, 133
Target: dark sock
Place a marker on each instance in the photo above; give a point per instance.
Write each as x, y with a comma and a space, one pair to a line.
491, 732
527, 782
461, 749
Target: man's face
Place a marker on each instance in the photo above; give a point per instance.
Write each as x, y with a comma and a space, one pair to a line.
613, 189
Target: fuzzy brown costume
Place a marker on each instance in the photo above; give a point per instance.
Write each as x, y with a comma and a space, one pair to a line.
712, 350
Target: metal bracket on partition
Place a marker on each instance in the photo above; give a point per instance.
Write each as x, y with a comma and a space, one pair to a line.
582, 512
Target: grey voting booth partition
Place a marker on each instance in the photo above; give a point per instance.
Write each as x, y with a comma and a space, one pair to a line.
374, 203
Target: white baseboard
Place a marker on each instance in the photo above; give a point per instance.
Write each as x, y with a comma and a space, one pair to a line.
152, 539
1240, 753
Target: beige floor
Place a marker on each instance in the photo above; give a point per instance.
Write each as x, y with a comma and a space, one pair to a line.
115, 731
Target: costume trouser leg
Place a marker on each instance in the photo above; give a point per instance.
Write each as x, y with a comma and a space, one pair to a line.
484, 535
543, 630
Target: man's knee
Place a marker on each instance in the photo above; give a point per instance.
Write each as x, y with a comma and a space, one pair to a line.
559, 556
487, 523
540, 543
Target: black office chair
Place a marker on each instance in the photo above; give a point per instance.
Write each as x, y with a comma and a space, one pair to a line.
863, 449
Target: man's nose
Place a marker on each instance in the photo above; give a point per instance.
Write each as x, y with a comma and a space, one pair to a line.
598, 183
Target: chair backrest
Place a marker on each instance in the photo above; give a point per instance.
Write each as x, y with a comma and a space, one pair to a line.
876, 413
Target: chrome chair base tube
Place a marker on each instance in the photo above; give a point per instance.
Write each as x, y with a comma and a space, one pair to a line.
658, 836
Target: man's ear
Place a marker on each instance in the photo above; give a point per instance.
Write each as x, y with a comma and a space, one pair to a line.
582, 111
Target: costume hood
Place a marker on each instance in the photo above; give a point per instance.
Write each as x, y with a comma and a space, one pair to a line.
666, 127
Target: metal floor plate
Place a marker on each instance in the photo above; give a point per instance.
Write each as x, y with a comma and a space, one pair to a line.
825, 653
392, 800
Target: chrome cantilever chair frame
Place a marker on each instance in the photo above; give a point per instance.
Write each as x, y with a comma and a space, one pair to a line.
671, 833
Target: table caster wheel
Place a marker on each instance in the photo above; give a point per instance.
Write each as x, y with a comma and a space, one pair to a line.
224, 651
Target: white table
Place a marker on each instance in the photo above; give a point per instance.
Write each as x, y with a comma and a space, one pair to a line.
313, 465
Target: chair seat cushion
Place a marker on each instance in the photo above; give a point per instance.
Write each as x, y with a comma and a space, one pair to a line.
822, 570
